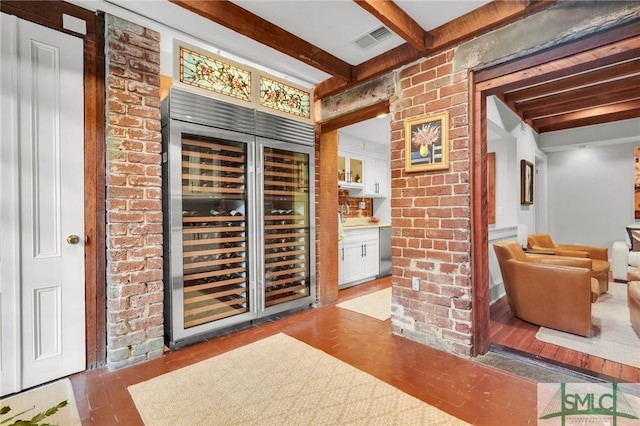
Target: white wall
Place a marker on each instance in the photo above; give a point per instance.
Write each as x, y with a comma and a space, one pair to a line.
584, 187
504, 146
526, 149
591, 193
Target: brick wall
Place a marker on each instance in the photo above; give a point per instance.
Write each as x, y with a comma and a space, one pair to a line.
431, 213
133, 195
353, 203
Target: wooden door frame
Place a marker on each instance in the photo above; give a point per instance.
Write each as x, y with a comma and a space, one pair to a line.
327, 196
49, 14
586, 53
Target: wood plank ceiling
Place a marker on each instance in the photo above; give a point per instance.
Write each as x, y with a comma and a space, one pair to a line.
583, 97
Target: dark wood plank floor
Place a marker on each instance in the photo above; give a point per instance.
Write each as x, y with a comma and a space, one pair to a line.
476, 393
511, 332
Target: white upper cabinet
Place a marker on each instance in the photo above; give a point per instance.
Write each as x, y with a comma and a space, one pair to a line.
377, 172
364, 166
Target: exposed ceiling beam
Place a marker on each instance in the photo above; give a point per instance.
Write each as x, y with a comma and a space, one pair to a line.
598, 115
485, 18
362, 114
398, 21
620, 51
569, 97
577, 80
246, 23
570, 104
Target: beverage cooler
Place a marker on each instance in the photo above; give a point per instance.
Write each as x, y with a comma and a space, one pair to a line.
238, 216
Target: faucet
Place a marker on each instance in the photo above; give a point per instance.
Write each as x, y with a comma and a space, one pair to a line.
344, 207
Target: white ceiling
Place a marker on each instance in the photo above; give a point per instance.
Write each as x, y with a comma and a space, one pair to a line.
331, 25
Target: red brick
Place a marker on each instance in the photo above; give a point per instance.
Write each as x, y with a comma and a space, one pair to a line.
141, 180
126, 169
145, 276
125, 192
144, 158
137, 229
125, 217
125, 97
145, 205
141, 111
123, 242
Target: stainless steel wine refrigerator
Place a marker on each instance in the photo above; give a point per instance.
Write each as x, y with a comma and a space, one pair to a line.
238, 216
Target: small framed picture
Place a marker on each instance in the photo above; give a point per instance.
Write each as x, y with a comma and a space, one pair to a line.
526, 182
427, 143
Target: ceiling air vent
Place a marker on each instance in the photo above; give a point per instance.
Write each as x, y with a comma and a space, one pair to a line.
373, 37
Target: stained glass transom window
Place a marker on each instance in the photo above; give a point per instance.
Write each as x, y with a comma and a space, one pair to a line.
208, 73
282, 97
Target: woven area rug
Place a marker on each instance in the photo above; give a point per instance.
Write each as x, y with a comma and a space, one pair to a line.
376, 304
278, 381
41, 399
612, 338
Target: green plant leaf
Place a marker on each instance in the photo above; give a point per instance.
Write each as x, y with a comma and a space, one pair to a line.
35, 420
51, 411
14, 416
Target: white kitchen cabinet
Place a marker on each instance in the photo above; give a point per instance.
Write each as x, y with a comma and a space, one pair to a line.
359, 254
350, 170
376, 184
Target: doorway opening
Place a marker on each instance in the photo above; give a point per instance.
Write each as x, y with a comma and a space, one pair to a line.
576, 62
328, 195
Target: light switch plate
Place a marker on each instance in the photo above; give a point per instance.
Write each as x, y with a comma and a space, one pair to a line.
415, 283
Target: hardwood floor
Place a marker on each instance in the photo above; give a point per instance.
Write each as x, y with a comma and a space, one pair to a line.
476, 393
511, 332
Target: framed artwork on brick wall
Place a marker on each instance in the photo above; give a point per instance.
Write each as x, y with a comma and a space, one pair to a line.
427, 143
526, 182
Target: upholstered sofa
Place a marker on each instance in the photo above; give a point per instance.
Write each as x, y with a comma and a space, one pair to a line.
551, 291
599, 255
623, 257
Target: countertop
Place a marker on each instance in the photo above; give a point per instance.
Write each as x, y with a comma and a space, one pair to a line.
361, 223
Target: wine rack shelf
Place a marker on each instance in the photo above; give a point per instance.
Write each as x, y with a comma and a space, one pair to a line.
214, 235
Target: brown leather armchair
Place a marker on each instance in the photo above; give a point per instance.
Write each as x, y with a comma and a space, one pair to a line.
633, 298
599, 255
551, 291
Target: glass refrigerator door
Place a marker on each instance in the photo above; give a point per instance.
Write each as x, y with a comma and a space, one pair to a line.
287, 255
214, 229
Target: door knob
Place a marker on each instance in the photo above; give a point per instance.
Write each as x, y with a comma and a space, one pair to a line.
73, 239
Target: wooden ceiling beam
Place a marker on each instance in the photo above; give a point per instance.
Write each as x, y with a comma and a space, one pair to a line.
246, 23
597, 100
567, 98
358, 116
599, 115
485, 18
575, 80
620, 51
398, 21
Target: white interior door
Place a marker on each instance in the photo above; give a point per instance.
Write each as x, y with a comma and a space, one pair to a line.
42, 206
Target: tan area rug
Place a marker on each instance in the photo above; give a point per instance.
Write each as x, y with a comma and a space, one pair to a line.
376, 304
278, 381
41, 399
612, 338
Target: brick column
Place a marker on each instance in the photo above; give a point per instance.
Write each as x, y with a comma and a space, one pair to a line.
431, 213
133, 195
